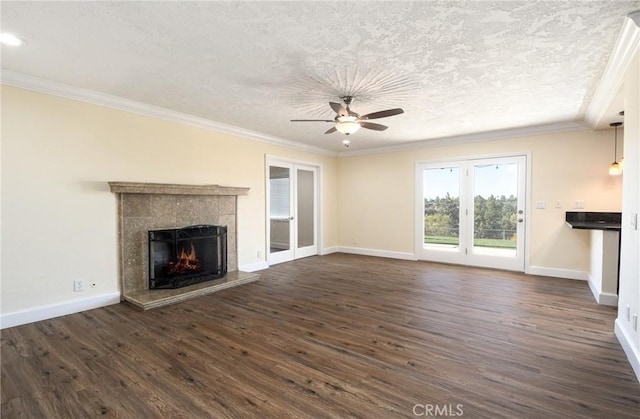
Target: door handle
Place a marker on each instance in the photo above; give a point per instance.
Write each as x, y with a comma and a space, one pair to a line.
291, 218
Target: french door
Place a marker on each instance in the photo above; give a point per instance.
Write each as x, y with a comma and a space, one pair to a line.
472, 212
292, 211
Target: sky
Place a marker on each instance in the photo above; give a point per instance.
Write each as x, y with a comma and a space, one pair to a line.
493, 179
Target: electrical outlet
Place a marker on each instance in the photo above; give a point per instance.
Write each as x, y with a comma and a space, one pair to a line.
557, 204
578, 204
78, 285
635, 322
259, 254
628, 313
541, 205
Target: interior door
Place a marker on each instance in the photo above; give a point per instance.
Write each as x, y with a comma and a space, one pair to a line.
306, 203
292, 213
280, 212
472, 212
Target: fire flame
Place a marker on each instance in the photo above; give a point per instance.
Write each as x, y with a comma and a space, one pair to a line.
187, 262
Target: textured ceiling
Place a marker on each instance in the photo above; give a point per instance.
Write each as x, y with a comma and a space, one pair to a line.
455, 67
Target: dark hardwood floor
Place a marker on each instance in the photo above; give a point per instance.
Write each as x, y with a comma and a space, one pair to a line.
334, 336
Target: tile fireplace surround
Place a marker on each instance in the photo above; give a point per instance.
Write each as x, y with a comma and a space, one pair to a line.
153, 206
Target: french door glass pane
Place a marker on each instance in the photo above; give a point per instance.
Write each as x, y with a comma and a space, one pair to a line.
442, 207
495, 209
280, 210
305, 208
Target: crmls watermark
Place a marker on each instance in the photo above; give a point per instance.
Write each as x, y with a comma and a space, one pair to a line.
438, 410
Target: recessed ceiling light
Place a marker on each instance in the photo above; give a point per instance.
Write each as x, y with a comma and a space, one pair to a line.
10, 39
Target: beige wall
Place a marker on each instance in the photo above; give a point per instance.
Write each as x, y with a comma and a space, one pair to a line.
58, 216
377, 194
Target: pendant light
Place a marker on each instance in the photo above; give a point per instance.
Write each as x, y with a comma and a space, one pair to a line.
615, 169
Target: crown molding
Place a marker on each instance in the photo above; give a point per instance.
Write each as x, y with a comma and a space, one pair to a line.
24, 81
504, 134
627, 45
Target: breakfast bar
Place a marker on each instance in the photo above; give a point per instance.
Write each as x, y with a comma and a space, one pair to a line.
605, 251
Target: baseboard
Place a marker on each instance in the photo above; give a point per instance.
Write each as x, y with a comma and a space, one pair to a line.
329, 250
252, 267
594, 289
18, 318
603, 298
632, 352
608, 299
557, 273
377, 253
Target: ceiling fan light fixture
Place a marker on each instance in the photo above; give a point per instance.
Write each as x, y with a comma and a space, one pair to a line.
347, 127
347, 124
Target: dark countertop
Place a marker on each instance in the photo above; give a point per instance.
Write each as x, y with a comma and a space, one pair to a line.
594, 220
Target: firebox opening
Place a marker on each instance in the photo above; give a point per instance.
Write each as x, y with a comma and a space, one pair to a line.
187, 256
187, 262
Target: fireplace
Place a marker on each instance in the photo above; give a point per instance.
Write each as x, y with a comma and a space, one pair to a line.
143, 207
186, 256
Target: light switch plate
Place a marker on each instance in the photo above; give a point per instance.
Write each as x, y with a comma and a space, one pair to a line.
633, 221
541, 205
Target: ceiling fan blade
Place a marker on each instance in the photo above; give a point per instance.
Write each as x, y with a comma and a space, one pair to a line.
373, 126
382, 114
331, 130
312, 120
338, 108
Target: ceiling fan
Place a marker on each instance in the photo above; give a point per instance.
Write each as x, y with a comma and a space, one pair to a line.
347, 122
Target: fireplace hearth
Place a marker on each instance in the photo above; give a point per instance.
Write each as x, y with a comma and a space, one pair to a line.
187, 256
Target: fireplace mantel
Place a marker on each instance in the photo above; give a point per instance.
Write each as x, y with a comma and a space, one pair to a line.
151, 206
175, 189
